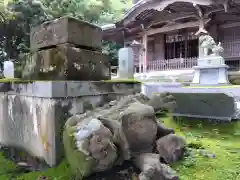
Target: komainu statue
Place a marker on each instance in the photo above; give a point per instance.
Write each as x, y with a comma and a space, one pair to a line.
210, 47
123, 130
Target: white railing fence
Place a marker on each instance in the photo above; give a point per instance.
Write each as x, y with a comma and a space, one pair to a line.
172, 64
182, 64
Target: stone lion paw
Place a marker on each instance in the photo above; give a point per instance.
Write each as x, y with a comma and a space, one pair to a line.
153, 169
163, 101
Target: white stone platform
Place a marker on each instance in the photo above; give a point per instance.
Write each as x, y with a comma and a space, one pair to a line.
207, 102
210, 75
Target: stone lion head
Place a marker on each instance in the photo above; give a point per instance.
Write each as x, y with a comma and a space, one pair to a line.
96, 141
206, 41
89, 145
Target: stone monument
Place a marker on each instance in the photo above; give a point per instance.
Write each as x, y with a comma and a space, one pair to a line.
67, 49
8, 69
211, 68
125, 63
65, 75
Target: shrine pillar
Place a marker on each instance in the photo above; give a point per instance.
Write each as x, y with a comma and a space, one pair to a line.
145, 42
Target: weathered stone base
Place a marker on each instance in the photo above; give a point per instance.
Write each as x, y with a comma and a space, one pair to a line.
73, 89
210, 75
67, 62
219, 103
32, 115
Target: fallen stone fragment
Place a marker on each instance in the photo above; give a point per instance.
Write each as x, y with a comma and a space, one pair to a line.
207, 154
153, 169
171, 148
121, 131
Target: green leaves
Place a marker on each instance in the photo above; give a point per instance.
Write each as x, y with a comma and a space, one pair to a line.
111, 49
95, 11
18, 16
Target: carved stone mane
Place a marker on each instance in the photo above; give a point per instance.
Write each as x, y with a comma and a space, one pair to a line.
210, 47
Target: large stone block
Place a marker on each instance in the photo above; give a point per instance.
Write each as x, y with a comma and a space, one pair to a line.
66, 30
66, 62
58, 89
205, 105
206, 102
33, 120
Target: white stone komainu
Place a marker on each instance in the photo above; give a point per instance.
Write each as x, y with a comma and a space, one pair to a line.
211, 68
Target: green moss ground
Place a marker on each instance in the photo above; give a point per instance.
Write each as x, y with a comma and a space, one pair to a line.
8, 171
61, 172
223, 140
17, 80
7, 80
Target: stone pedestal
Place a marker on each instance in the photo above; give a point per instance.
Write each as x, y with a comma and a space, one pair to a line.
211, 70
210, 75
32, 114
211, 60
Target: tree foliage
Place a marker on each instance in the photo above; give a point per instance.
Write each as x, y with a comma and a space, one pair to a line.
18, 16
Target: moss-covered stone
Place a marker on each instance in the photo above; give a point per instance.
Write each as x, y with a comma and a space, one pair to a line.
80, 164
66, 30
66, 62
113, 133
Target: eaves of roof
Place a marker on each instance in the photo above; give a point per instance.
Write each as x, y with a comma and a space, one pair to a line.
160, 5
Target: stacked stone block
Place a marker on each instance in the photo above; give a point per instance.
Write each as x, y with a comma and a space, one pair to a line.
67, 49
33, 113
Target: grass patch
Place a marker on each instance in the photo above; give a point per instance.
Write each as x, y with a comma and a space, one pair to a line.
8, 171
221, 140
7, 168
17, 80
61, 172
8, 80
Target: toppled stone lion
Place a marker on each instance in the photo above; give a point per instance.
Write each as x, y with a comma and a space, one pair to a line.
123, 130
